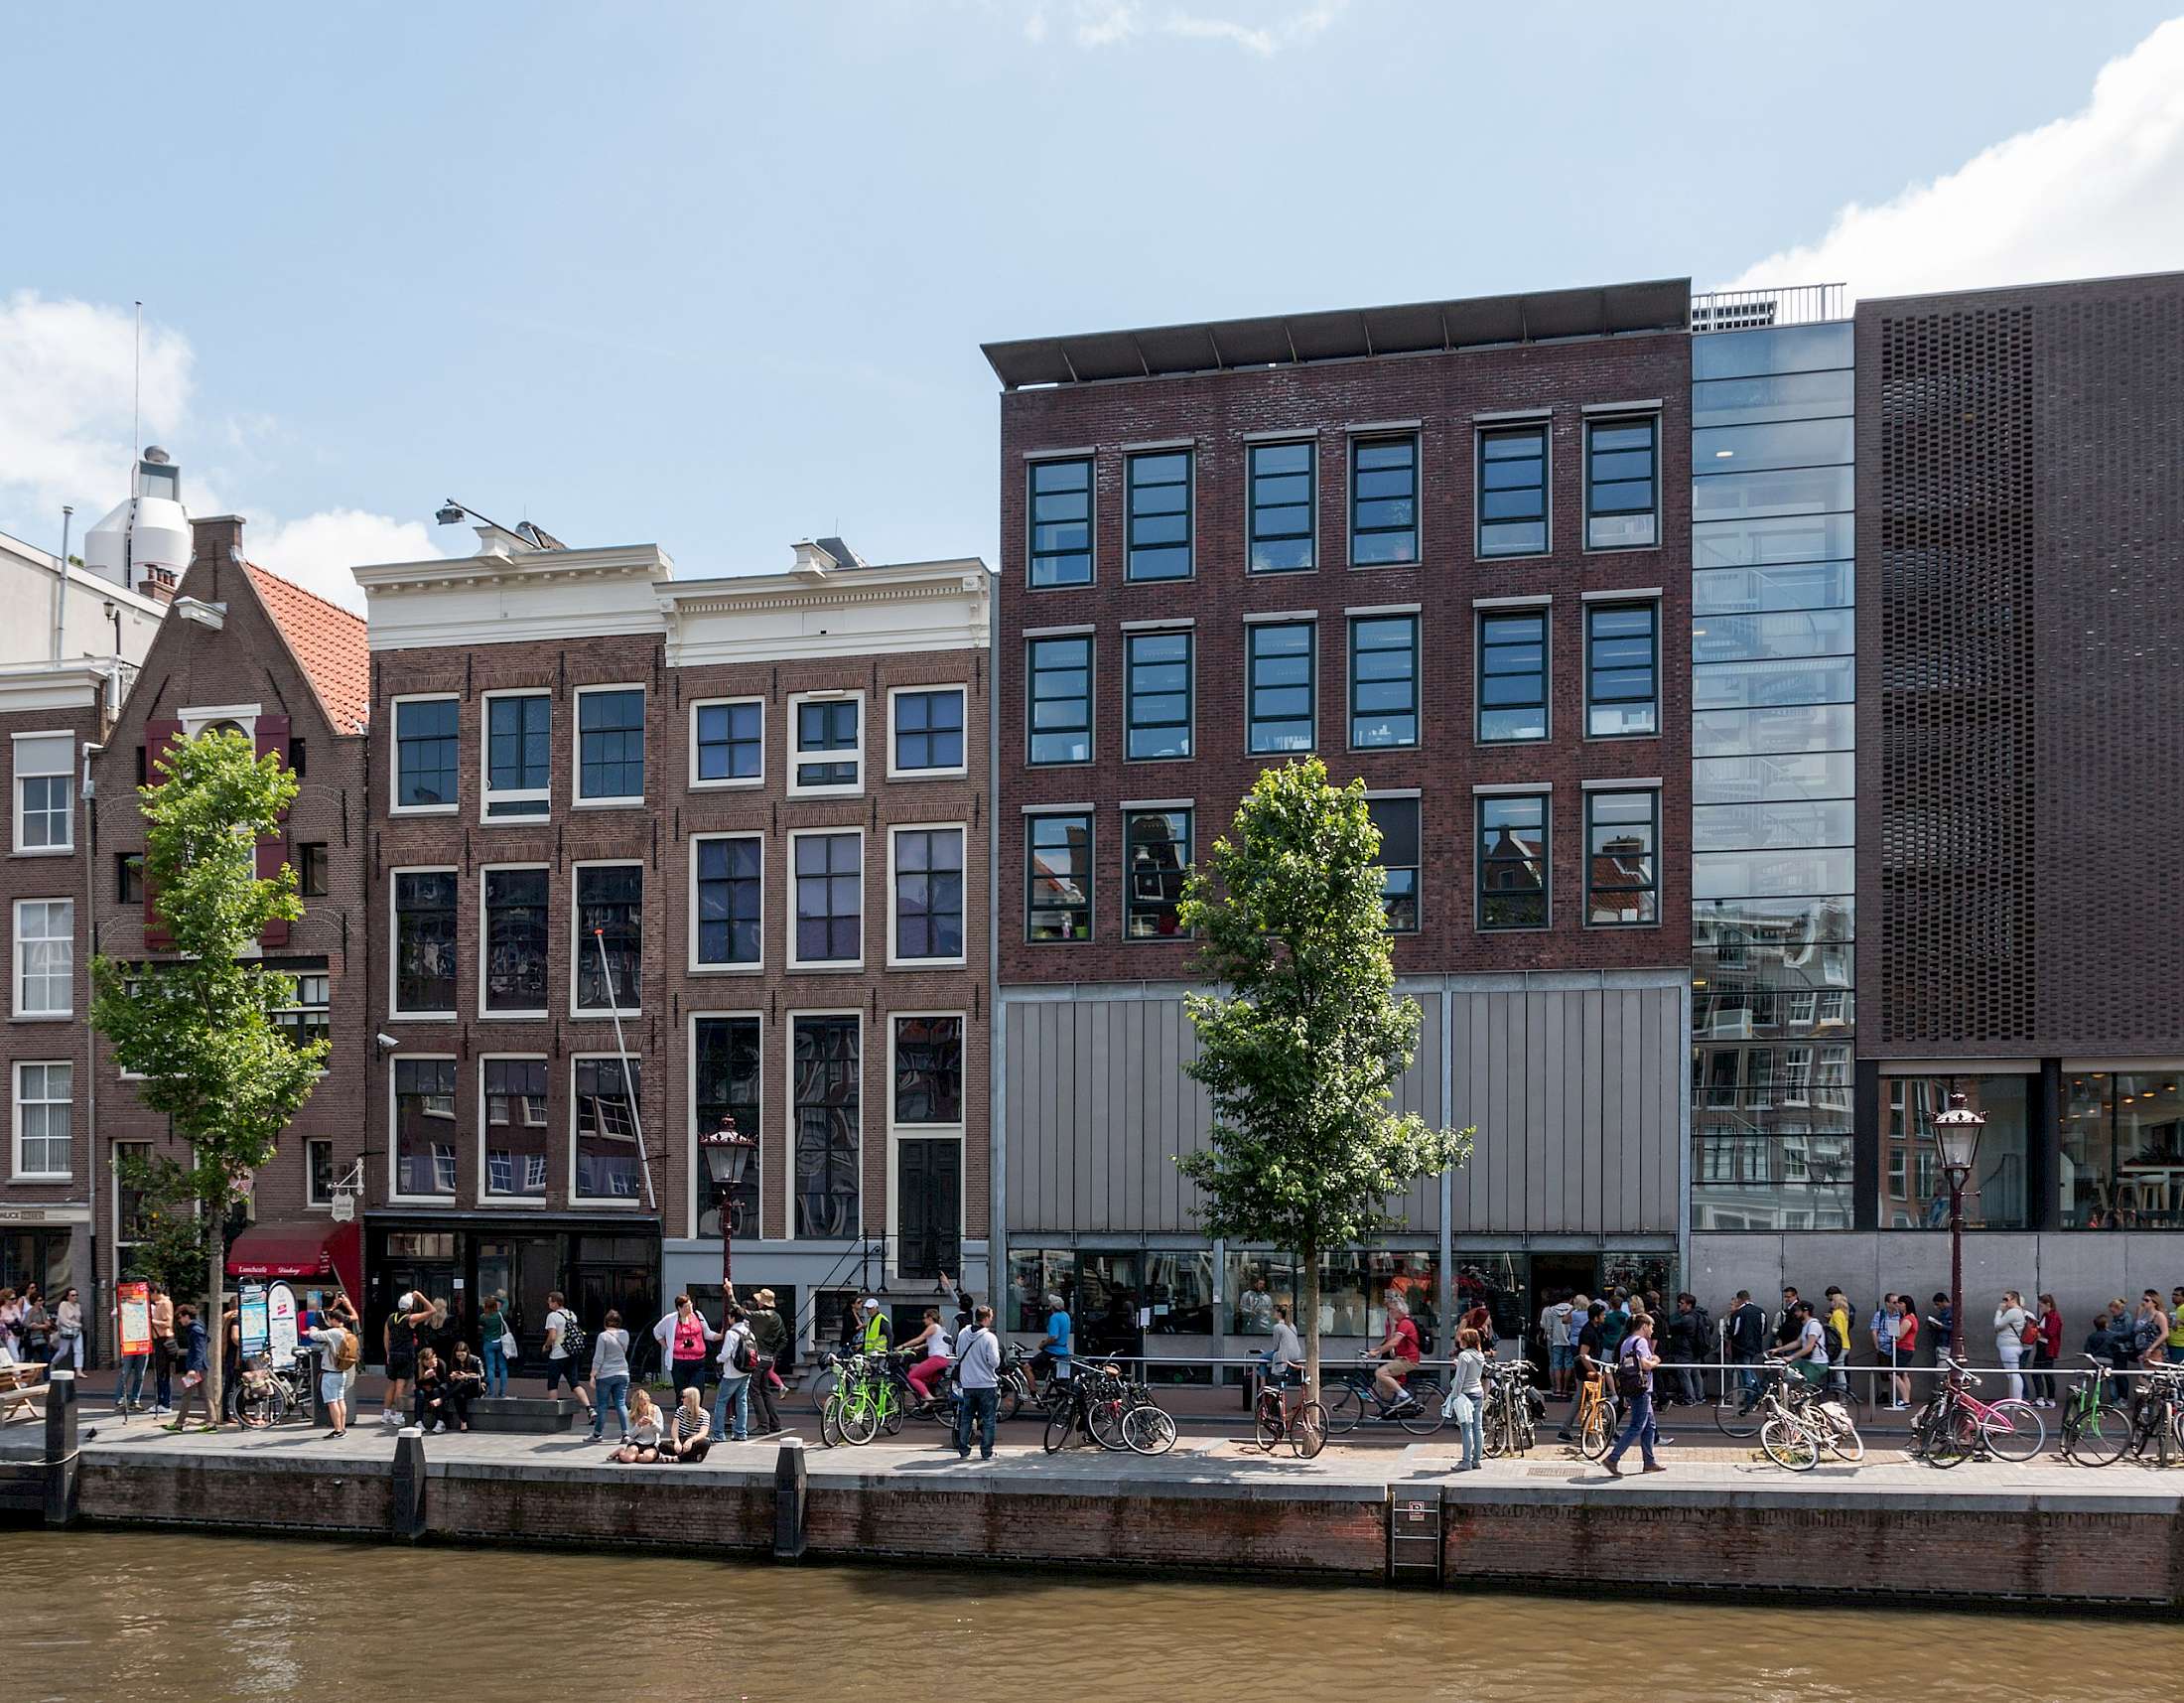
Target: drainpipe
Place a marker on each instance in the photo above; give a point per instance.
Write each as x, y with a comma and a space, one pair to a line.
60, 582
96, 1311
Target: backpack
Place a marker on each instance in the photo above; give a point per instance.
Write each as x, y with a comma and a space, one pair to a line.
1630, 1380
743, 1356
573, 1338
344, 1353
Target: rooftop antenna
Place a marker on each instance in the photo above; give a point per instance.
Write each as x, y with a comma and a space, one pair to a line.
136, 398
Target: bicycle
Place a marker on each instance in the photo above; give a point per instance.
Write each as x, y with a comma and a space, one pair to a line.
2096, 1430
264, 1394
1513, 1408
865, 1400
1303, 1429
1417, 1412
1956, 1425
2156, 1417
1089, 1404
1802, 1420
1599, 1416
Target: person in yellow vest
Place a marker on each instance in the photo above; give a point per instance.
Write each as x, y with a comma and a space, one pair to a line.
873, 1334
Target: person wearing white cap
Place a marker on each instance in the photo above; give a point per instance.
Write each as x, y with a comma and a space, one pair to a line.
872, 1332
399, 1339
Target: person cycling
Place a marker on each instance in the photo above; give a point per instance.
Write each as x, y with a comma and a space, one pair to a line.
1053, 1356
926, 1357
1285, 1360
1807, 1350
1398, 1354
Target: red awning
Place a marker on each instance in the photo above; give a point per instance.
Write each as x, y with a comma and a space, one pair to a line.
311, 1248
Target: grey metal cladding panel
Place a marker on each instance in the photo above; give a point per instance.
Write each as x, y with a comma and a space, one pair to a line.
1539, 1064
1596, 1062
1552, 1206
1417, 1090
1465, 1108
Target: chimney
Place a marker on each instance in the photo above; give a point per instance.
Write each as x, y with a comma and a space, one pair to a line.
214, 541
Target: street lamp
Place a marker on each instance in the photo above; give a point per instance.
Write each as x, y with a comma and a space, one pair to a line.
1957, 1145
728, 1153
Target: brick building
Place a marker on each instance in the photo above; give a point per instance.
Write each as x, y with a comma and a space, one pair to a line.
645, 852
1446, 547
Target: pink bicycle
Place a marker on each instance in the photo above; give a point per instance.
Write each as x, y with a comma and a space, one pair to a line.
1956, 1425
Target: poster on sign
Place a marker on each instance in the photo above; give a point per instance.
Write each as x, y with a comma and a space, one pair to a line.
134, 1300
281, 1323
252, 1320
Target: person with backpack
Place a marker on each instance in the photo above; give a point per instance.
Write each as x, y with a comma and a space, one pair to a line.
1635, 1364
565, 1343
1691, 1335
771, 1333
337, 1359
738, 1359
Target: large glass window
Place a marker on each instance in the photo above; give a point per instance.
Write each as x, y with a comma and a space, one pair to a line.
829, 745
928, 731
45, 792
1512, 491
828, 1098
424, 942
1915, 1195
727, 1065
607, 1163
424, 1126
1622, 682
425, 748
1060, 700
1060, 504
513, 1099
1400, 860
1158, 486
517, 903
1383, 682
44, 1096
1156, 856
1283, 479
1158, 665
611, 745
1513, 861
1281, 687
518, 754
929, 1071
730, 741
609, 936
1383, 501
1513, 675
2122, 1150
1057, 877
830, 898
928, 893
45, 957
1622, 483
311, 1018
730, 877
1622, 865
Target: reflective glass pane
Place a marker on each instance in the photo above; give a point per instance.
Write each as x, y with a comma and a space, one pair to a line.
1792, 634
1727, 685
1770, 874
1776, 538
1801, 491
1808, 727
1785, 349
1801, 585
1789, 396
1785, 822
1785, 443
1753, 780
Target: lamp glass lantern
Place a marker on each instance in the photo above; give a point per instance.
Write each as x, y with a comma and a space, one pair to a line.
728, 1153
1957, 1136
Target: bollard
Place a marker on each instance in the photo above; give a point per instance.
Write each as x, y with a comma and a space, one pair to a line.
61, 1448
315, 1355
408, 1516
789, 1484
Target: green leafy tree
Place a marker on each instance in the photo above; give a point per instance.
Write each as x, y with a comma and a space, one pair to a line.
167, 1230
1301, 1051
199, 1028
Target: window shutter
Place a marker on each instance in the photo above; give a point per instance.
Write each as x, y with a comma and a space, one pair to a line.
272, 850
157, 735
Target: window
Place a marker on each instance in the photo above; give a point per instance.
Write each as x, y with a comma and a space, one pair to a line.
826, 1069
609, 943
1280, 686
1061, 672
518, 754
424, 1126
1383, 501
45, 792
319, 1171
513, 1104
1513, 675
1281, 507
1512, 494
129, 878
311, 1018
928, 732
1158, 515
1620, 659
829, 744
725, 1080
45, 957
424, 942
730, 877
1621, 493
311, 868
928, 894
424, 760
514, 948
728, 743
929, 1071
1158, 667
43, 1115
298, 756
1622, 874
1057, 877
1062, 522
1157, 855
1398, 822
1383, 682
603, 1158
828, 924
928, 1170
1513, 861
611, 745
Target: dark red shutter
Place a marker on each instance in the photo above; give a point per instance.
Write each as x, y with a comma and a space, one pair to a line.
157, 735
272, 852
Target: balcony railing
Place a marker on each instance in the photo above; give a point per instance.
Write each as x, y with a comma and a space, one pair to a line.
1752, 310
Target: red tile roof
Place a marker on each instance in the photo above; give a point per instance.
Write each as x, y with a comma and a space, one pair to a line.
328, 644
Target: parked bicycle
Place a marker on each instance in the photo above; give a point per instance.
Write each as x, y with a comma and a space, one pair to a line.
2098, 1433
1304, 1428
1800, 1419
1954, 1425
1599, 1416
1513, 1408
1117, 1412
264, 1394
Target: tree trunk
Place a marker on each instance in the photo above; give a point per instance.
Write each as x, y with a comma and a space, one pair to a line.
215, 1325
1308, 1305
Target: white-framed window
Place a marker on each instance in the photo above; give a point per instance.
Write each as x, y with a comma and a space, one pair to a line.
318, 1171
925, 1126
45, 957
513, 1127
421, 1127
610, 746
513, 931
728, 741
45, 1092
44, 793
1800, 1006
826, 744
516, 755
607, 953
925, 732
925, 893
421, 925
426, 766
604, 1164
726, 902
311, 1018
727, 1075
826, 911
129, 1225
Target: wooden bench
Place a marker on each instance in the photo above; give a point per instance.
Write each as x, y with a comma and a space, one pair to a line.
22, 1389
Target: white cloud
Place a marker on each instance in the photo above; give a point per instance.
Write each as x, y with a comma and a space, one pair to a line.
1109, 23
318, 551
2096, 193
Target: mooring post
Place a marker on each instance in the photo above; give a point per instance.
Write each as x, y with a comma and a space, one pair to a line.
789, 1485
319, 1363
408, 1517
61, 1448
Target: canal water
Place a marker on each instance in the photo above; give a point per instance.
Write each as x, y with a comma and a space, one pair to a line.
149, 1618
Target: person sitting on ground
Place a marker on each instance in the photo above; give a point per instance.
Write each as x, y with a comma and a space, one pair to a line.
691, 1434
927, 1356
428, 1403
1398, 1354
644, 1429
466, 1383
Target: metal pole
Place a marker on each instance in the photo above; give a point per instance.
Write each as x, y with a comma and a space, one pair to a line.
728, 1280
637, 1117
1956, 1263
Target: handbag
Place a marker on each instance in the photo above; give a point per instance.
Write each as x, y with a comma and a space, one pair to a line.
508, 1343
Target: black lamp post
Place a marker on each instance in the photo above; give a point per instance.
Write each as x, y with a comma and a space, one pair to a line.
728, 1153
1956, 1143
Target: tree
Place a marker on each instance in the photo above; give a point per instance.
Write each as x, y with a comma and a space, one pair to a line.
1301, 1053
199, 1028
167, 1231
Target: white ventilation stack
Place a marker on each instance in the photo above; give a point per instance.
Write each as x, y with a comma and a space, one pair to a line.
144, 544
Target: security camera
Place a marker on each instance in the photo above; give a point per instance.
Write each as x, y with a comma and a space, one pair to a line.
385, 1040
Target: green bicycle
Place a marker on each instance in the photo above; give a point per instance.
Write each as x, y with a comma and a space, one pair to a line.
867, 1400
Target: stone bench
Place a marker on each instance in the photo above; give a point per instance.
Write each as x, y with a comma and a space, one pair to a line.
543, 1414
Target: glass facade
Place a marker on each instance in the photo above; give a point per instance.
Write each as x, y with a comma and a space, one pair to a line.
1773, 1019
2122, 1150
1914, 1190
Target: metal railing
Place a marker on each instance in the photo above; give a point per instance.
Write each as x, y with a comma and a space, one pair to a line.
1753, 310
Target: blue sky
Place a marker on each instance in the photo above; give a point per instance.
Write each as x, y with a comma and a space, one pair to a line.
716, 275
